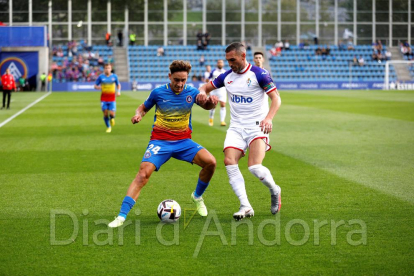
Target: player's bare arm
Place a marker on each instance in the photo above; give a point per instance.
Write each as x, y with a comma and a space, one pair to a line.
97, 87
139, 113
119, 90
266, 124
211, 103
204, 91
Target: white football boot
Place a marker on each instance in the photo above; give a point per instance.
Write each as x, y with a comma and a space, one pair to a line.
118, 221
244, 212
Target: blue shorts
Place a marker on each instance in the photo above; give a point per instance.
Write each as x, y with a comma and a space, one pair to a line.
111, 106
160, 151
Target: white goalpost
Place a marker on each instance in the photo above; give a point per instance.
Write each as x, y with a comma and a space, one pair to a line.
397, 63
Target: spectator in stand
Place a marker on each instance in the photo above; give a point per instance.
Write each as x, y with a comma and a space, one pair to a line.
85, 66
194, 78
380, 57
56, 74
68, 75
350, 45
315, 40
202, 60
301, 45
273, 53
325, 52
355, 61
278, 47
206, 40
160, 51
379, 45
341, 46
108, 39
286, 46
409, 53
120, 38
85, 46
199, 45
76, 74
101, 62
59, 52
248, 46
132, 38
318, 51
388, 55
199, 36
374, 55
361, 61
279, 44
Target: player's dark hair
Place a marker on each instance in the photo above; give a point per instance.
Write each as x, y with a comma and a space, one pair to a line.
258, 53
180, 66
238, 46
107, 64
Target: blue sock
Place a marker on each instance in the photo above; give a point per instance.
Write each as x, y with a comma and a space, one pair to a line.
201, 187
126, 206
106, 119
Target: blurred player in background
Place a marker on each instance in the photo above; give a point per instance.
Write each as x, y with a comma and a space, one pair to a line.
250, 124
109, 84
221, 94
258, 59
171, 137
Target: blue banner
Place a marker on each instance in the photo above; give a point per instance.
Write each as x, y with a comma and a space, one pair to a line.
21, 65
82, 86
23, 36
281, 85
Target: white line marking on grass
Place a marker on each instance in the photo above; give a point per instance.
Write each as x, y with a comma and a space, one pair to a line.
24, 109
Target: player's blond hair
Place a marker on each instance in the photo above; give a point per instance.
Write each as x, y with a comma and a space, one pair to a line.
180, 66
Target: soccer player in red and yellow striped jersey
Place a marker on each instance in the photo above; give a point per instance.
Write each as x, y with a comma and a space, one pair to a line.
109, 84
171, 136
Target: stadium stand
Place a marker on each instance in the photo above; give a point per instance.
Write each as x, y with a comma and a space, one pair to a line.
295, 64
299, 64
85, 64
146, 66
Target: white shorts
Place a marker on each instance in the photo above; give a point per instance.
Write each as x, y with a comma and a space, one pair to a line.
241, 138
221, 94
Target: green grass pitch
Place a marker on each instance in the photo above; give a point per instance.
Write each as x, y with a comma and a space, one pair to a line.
344, 160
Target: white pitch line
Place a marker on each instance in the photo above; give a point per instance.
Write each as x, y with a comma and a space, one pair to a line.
24, 109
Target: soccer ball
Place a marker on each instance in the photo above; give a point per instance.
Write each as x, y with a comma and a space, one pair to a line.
169, 211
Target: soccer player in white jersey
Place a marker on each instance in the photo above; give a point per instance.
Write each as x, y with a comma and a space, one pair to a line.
250, 124
258, 59
221, 94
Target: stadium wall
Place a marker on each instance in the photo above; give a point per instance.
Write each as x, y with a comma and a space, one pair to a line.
82, 86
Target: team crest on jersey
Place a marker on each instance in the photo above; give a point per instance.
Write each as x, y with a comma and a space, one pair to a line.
147, 154
249, 81
189, 99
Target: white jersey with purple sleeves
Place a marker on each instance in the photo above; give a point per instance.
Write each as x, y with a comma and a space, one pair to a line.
221, 93
246, 91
